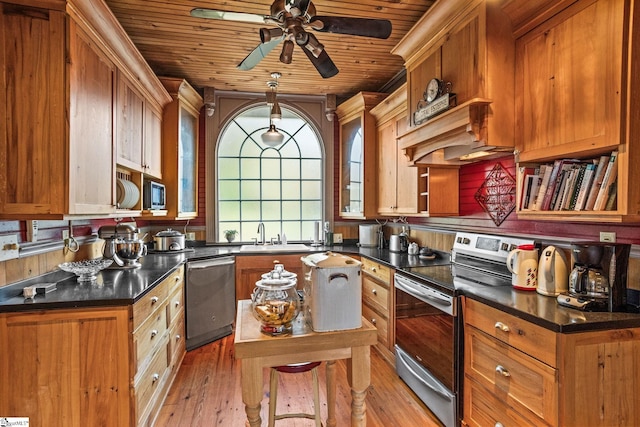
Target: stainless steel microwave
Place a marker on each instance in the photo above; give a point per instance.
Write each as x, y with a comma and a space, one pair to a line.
155, 195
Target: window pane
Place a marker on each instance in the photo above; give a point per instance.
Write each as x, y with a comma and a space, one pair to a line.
228, 168
271, 168
250, 211
271, 211
312, 189
291, 169
290, 149
271, 190
229, 190
307, 141
228, 210
250, 168
233, 137
312, 210
291, 190
291, 210
311, 169
250, 190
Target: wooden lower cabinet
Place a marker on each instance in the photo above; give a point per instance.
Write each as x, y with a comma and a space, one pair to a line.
518, 373
378, 304
90, 366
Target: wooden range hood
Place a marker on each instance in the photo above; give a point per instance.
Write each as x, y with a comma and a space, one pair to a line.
469, 44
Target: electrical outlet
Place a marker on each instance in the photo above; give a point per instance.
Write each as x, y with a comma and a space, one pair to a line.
65, 235
32, 230
9, 248
337, 238
608, 236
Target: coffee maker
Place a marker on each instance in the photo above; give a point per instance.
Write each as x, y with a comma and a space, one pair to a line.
598, 279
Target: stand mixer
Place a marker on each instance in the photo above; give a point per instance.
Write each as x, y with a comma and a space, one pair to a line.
122, 244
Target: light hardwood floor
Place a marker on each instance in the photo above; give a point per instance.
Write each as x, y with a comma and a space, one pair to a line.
207, 392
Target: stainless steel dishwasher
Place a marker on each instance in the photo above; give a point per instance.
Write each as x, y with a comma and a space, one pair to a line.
211, 300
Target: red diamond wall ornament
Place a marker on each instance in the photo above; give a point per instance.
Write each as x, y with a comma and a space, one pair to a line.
497, 194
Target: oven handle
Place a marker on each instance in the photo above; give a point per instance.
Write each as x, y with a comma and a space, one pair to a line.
420, 295
432, 387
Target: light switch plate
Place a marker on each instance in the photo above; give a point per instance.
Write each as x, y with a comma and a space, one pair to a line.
9, 248
337, 238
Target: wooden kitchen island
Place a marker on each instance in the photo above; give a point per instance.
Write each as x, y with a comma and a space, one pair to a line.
258, 351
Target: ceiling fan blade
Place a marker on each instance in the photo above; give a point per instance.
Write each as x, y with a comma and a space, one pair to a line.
366, 27
257, 54
323, 63
227, 16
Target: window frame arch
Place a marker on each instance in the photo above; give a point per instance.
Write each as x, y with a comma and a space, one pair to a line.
253, 136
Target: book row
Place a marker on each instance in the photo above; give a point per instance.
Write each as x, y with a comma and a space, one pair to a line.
570, 185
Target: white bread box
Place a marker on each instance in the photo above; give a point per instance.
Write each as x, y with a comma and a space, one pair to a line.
332, 292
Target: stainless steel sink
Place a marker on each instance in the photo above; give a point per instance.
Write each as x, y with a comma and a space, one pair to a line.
291, 247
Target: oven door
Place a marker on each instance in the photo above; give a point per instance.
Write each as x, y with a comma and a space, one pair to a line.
426, 327
426, 349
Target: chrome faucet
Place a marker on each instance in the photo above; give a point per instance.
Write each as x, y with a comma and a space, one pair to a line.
261, 241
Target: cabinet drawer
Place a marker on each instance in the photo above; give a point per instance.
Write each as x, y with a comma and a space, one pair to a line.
150, 381
375, 269
380, 322
525, 336
521, 381
147, 338
375, 295
155, 297
175, 305
481, 408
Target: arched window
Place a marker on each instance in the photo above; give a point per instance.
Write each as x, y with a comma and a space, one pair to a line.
280, 186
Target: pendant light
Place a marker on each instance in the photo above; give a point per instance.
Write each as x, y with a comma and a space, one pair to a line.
272, 137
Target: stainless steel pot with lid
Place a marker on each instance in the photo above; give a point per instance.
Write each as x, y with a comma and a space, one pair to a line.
169, 240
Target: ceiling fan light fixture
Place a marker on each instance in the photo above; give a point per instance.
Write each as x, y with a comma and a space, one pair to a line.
313, 45
287, 52
272, 137
268, 34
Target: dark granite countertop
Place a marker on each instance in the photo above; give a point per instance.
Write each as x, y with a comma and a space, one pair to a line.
116, 287
545, 311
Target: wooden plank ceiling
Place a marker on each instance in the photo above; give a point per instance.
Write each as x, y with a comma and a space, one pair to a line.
206, 52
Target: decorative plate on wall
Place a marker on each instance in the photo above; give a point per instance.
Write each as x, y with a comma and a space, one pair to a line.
497, 194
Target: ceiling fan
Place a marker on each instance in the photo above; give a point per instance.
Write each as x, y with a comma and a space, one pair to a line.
293, 18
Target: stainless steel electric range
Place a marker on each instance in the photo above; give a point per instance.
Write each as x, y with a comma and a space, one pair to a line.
428, 325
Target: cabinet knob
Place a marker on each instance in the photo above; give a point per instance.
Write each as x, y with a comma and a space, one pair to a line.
499, 424
373, 321
154, 300
154, 333
177, 303
373, 291
178, 337
177, 278
503, 371
155, 377
502, 327
373, 269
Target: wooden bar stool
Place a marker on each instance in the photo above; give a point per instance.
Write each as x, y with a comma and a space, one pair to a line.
273, 391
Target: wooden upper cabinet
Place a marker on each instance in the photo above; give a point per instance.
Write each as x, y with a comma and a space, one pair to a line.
58, 122
139, 130
470, 45
130, 112
404, 188
152, 144
357, 193
576, 75
180, 148
397, 180
569, 82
